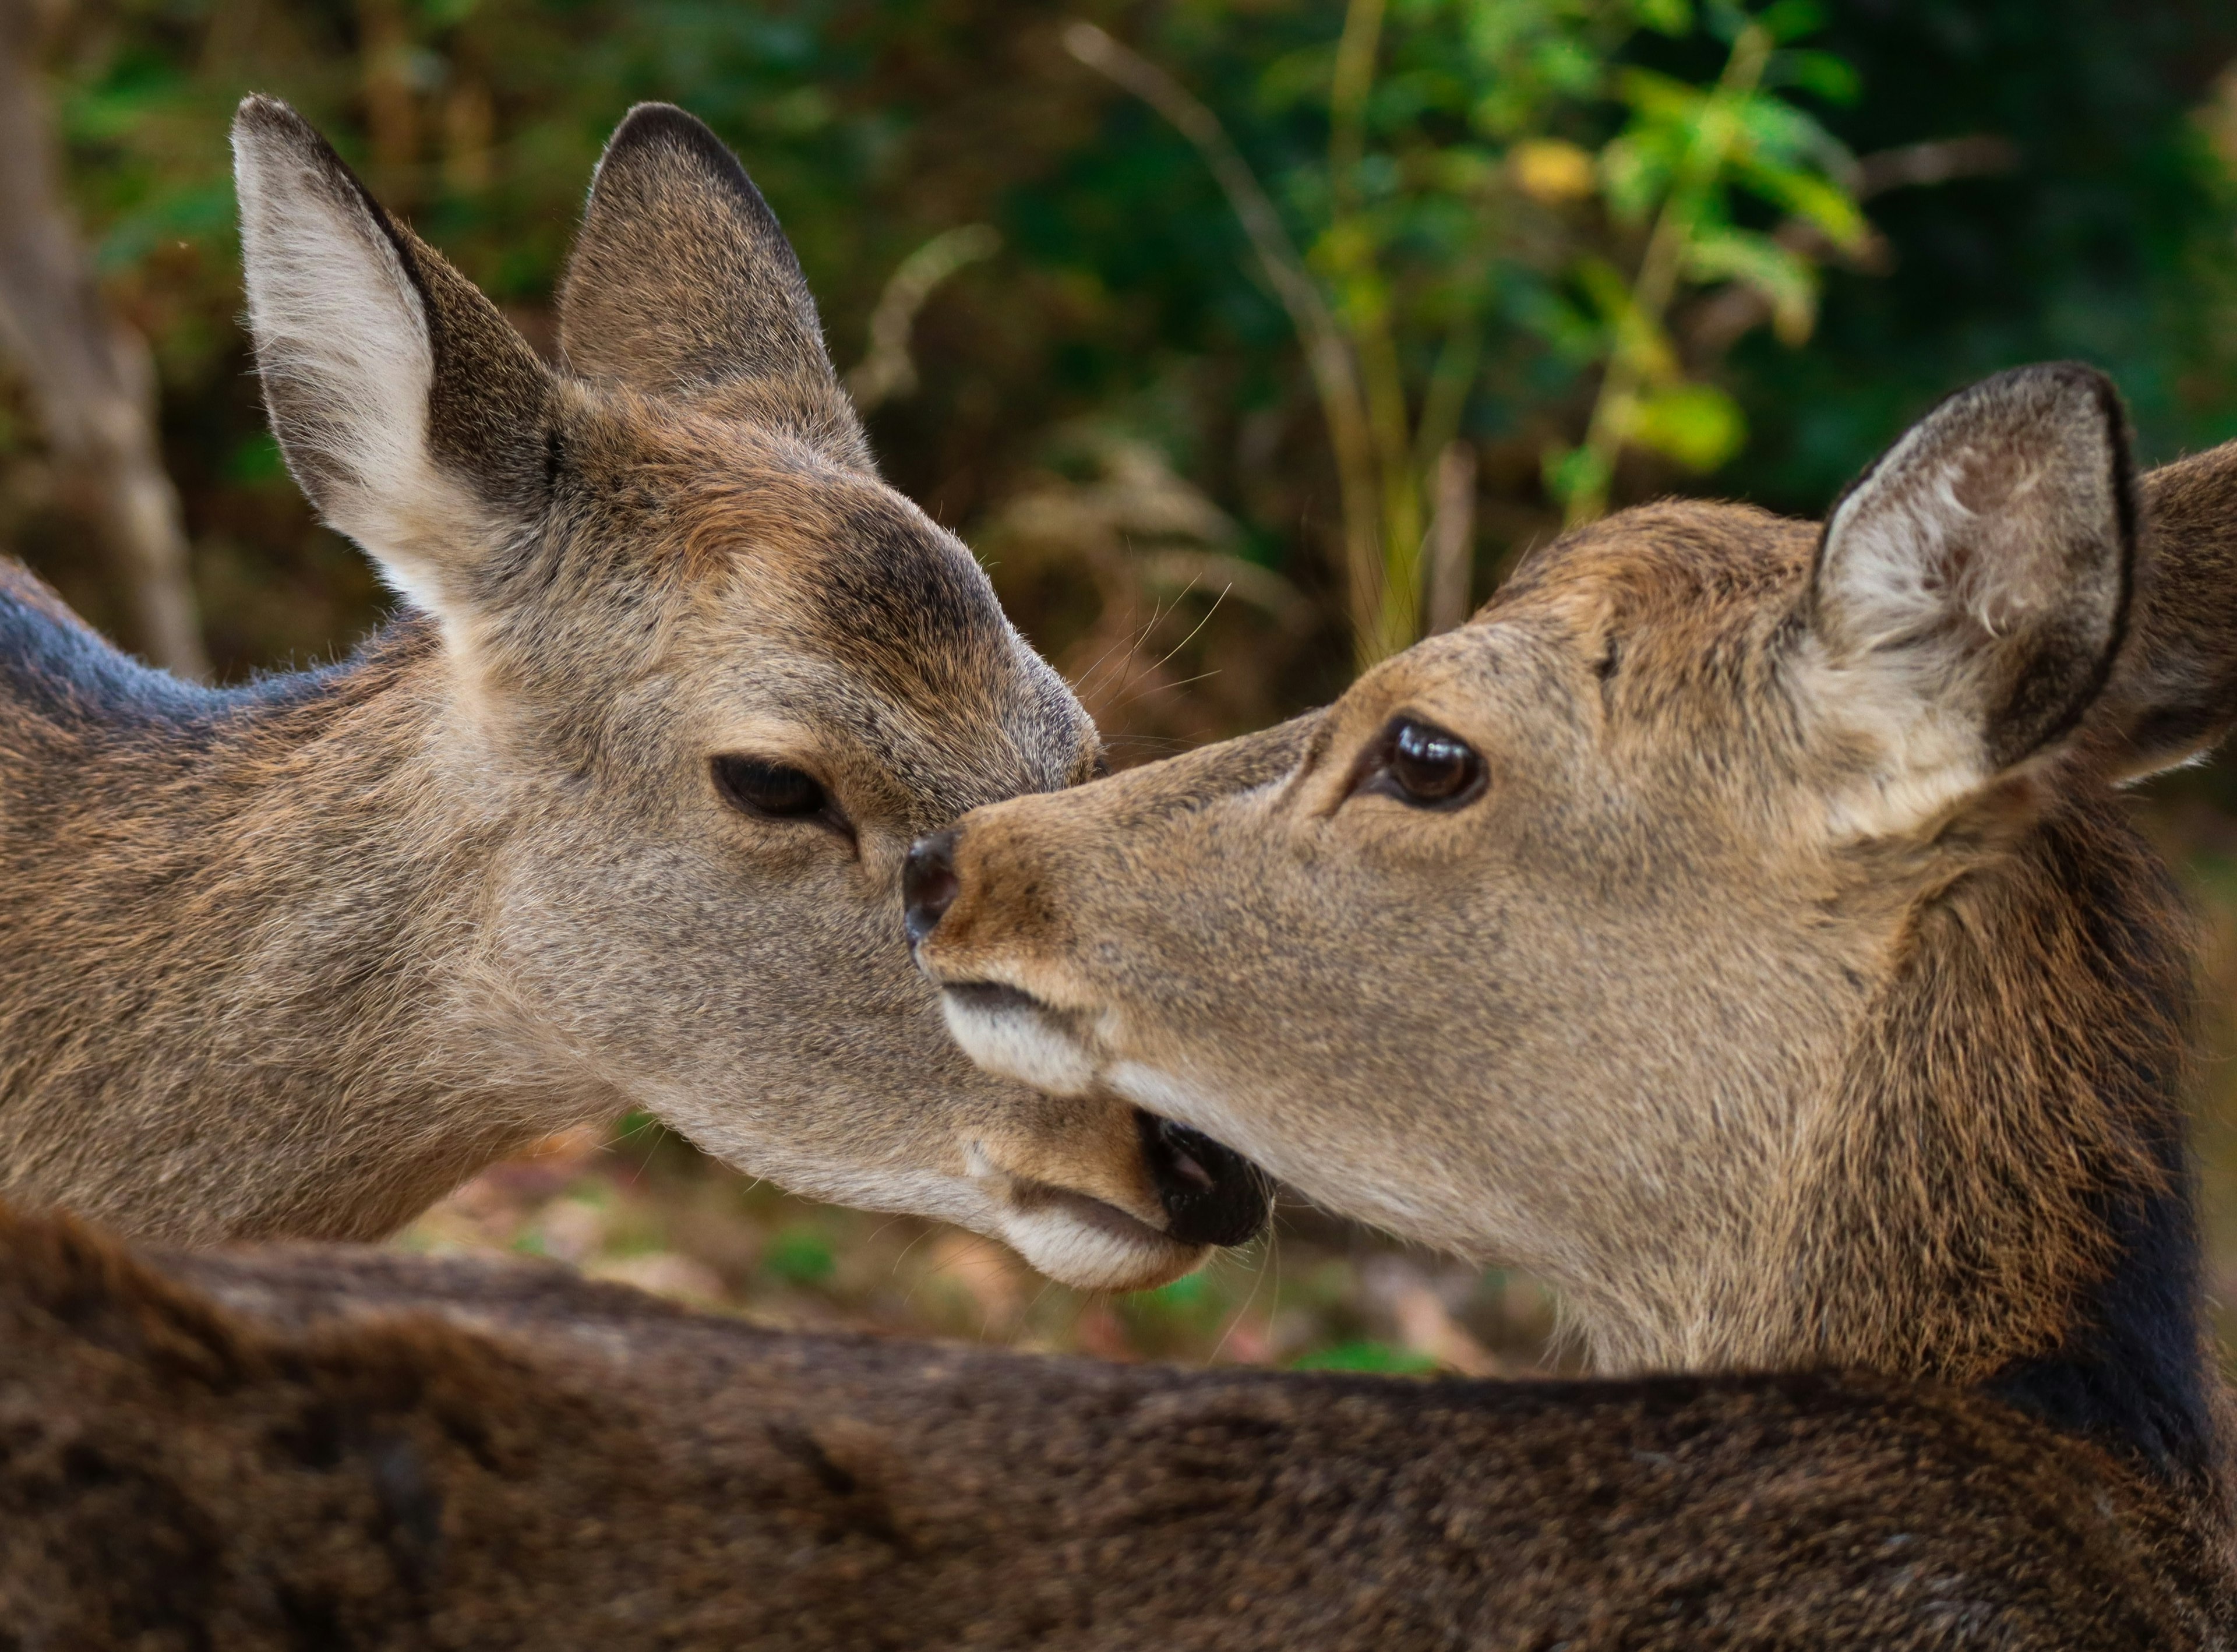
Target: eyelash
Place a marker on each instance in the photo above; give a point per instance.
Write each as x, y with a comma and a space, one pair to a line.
777, 792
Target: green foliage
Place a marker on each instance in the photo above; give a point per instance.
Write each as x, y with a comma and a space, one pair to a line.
800, 1256
1472, 188
1676, 171
1366, 1356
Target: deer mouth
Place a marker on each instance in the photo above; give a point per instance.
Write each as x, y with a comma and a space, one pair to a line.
993, 997
1006, 1029
1209, 1197
1208, 1194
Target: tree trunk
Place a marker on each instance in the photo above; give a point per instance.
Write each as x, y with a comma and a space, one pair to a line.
91, 376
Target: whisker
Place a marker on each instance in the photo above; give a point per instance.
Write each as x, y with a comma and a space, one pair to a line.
1155, 688
1199, 625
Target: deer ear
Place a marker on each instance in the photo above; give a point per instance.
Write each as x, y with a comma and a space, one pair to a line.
412, 415
1972, 587
2174, 689
682, 285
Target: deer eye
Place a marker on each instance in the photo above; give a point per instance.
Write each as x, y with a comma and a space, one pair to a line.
1423, 766
774, 790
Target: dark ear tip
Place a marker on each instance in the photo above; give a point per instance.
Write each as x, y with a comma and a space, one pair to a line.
665, 125
653, 137
265, 124
260, 114
2077, 379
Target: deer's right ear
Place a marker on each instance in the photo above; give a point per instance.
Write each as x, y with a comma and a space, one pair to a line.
1971, 591
412, 413
682, 285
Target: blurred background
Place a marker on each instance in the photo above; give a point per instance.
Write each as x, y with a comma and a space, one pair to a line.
1244, 341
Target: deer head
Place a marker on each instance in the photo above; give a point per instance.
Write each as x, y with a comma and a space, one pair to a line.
684, 680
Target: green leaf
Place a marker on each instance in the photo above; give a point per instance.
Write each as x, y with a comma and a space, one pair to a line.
1365, 1356
1830, 78
1697, 425
1572, 472
1660, 96
1786, 279
1785, 20
1774, 130
1604, 284
800, 1256
1812, 198
1633, 176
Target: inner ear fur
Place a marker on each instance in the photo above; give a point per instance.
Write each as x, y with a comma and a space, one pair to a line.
410, 410
1977, 578
682, 285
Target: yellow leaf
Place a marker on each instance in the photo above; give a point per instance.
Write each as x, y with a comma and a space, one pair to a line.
1550, 170
1698, 425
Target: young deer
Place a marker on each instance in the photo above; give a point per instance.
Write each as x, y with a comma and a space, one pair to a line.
1735, 923
1515, 946
609, 819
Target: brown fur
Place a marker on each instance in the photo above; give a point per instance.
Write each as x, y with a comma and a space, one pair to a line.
357, 1449
1639, 987
1789, 988
1905, 1102
295, 958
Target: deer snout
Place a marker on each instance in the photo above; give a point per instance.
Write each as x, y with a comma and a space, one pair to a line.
928, 883
1208, 1194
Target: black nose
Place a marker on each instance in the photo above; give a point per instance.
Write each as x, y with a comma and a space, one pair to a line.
1212, 1194
928, 885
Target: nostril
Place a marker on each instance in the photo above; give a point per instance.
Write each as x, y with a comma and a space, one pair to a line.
1212, 1194
928, 884
1189, 1171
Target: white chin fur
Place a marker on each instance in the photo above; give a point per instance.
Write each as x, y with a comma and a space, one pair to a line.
1091, 1258
1020, 1044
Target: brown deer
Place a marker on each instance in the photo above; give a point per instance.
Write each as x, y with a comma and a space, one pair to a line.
1735, 923
1752, 886
1703, 802
611, 817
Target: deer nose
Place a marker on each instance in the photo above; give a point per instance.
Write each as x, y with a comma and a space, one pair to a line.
928, 883
1212, 1194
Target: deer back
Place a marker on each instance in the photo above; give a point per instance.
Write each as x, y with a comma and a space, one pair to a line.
376, 1450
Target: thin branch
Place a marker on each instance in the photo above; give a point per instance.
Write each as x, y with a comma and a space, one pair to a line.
1452, 537
1336, 378
887, 370
1364, 315
1657, 282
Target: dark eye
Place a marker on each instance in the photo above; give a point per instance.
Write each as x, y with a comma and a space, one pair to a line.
1422, 765
774, 790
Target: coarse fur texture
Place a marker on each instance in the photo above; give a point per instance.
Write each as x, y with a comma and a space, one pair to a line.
300, 1447
1956, 1246
1789, 988
297, 957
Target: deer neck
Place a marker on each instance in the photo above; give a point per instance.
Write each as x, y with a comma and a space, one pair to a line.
240, 993
1997, 1191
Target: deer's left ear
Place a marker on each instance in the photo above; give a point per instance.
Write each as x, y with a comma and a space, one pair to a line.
1971, 590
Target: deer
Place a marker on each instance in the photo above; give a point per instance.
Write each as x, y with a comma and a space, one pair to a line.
1736, 923
608, 818
1445, 955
